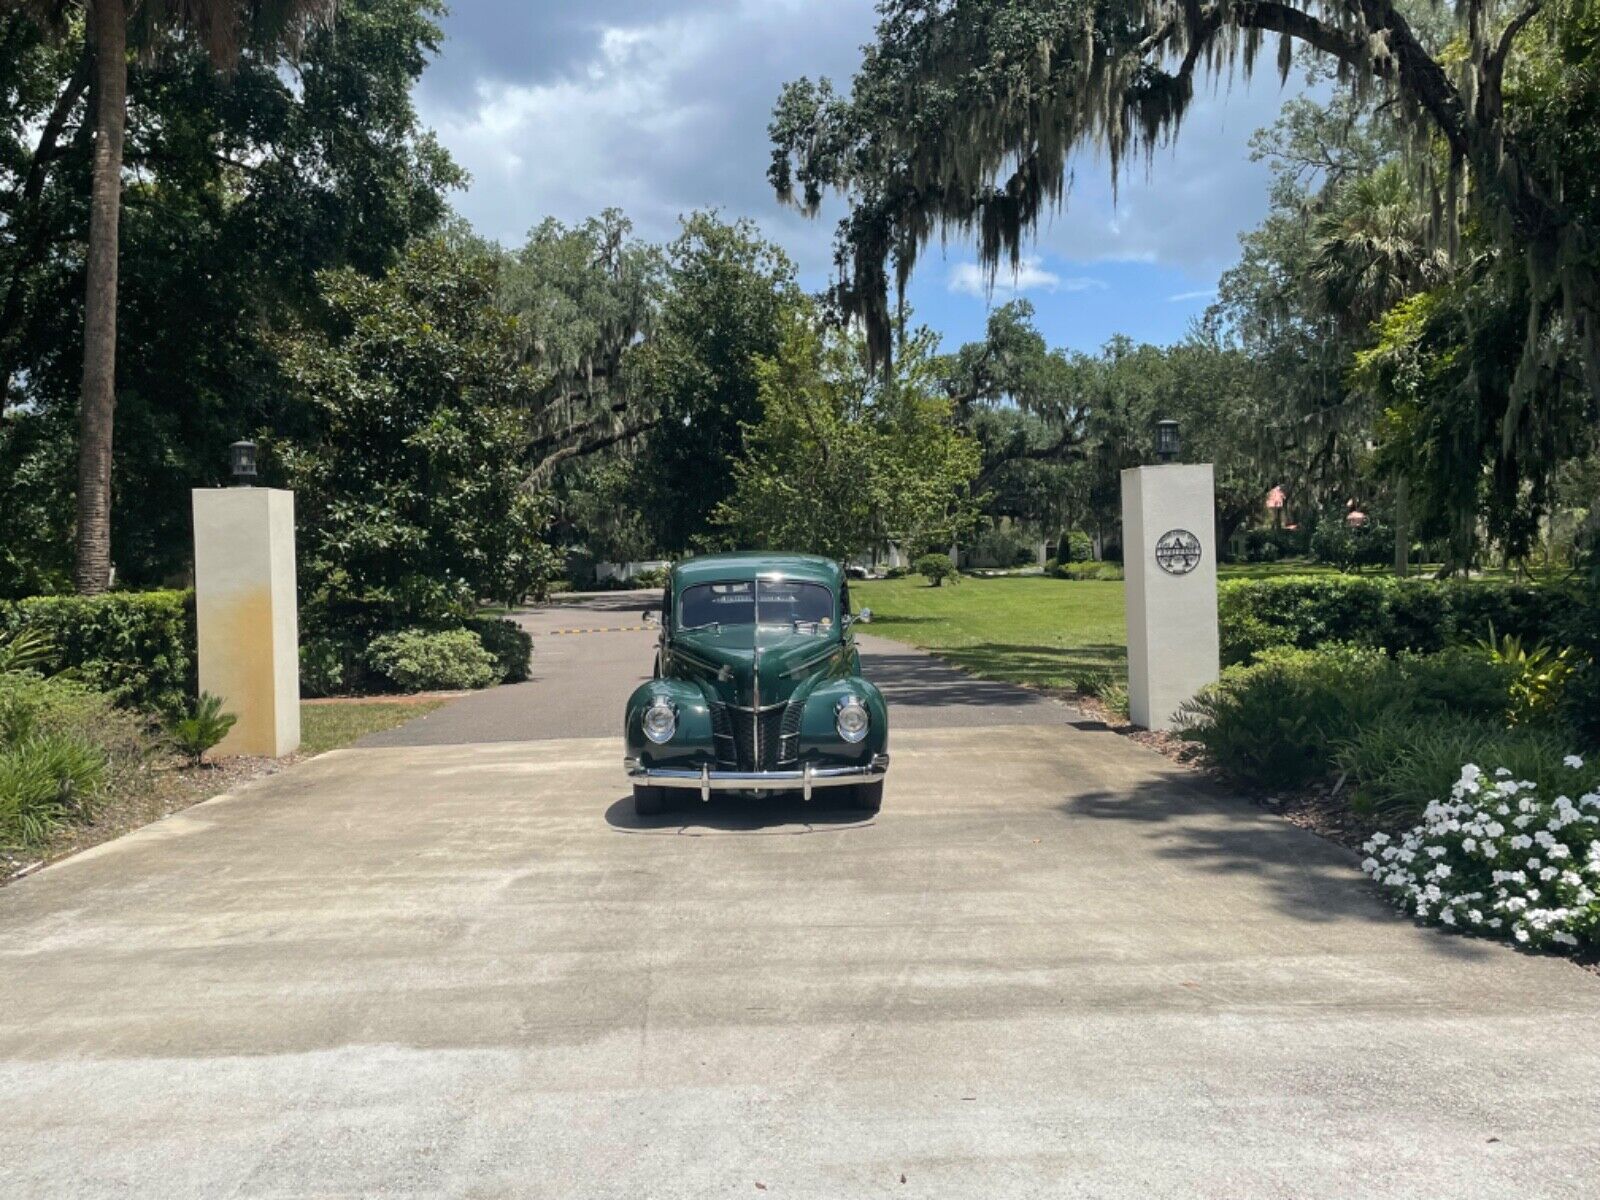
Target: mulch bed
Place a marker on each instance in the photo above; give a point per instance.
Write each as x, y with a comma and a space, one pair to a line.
162, 787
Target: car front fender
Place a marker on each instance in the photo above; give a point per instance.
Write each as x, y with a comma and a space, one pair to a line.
690, 741
819, 736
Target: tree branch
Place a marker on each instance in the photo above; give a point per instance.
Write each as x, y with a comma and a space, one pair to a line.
591, 446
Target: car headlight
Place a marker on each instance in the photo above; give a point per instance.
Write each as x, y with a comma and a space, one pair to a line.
660, 720
851, 719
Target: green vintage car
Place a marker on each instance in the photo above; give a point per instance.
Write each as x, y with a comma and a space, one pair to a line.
757, 687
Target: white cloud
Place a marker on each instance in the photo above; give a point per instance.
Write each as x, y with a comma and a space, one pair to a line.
657, 115
971, 279
1201, 294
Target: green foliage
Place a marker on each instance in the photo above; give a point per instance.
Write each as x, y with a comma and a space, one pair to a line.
44, 782
137, 646
1273, 723
24, 650
655, 577
1400, 763
728, 292
842, 458
425, 660
1088, 570
1413, 614
1540, 675
201, 728
939, 134
1273, 545
409, 491
330, 666
509, 643
1350, 547
1077, 547
240, 187
1293, 715
936, 568
895, 573
62, 745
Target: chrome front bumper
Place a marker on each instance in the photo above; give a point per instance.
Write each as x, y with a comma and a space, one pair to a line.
805, 779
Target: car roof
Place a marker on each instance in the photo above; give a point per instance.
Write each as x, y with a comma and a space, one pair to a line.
717, 568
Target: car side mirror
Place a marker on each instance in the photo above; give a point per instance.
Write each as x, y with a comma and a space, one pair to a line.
652, 617
865, 616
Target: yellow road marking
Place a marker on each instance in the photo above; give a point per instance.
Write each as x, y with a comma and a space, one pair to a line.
606, 629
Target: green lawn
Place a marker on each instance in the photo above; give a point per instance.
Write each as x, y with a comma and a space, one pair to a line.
328, 726
1022, 629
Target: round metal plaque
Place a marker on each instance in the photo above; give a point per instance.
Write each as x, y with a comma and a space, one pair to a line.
1177, 552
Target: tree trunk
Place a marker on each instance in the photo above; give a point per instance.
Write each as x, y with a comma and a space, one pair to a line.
108, 21
1402, 526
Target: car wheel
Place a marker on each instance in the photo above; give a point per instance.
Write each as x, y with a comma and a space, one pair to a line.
867, 797
649, 801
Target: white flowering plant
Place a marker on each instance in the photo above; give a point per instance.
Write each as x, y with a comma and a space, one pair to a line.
1499, 860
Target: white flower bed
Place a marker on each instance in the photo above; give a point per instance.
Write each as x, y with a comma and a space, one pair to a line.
1499, 860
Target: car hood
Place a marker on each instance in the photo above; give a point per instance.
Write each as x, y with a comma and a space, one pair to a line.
727, 662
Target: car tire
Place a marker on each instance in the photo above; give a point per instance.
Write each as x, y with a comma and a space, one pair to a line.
649, 801
867, 797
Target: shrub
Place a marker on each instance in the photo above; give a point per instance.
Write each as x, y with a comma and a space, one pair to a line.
1270, 545
895, 573
1350, 547
1275, 722
45, 780
1093, 682
1400, 763
1115, 697
24, 650
1292, 715
330, 667
1504, 856
1415, 614
418, 660
31, 706
1539, 675
509, 643
1076, 547
1002, 546
936, 568
137, 646
1088, 570
202, 727
61, 746
655, 577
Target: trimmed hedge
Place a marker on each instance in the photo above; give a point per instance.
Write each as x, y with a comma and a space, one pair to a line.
1421, 615
137, 646
511, 645
424, 660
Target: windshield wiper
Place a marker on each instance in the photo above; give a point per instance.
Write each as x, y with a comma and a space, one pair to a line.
717, 625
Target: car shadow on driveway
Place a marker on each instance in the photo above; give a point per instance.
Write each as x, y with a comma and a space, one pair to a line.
767, 815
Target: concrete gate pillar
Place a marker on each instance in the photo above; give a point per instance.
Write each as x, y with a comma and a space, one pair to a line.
246, 615
1170, 563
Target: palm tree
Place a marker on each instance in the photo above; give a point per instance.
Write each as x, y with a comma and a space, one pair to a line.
222, 28
1370, 251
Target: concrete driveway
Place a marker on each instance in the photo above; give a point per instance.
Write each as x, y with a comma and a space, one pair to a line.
1052, 967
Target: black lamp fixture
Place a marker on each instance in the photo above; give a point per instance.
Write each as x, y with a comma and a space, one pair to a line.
242, 458
1167, 443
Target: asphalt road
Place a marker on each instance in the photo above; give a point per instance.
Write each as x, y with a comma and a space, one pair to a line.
590, 652
1053, 966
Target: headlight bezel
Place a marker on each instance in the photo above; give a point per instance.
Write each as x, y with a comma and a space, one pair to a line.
855, 733
661, 734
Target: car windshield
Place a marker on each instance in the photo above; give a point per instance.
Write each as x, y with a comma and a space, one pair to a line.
808, 606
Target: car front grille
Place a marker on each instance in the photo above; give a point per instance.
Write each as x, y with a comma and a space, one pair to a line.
733, 732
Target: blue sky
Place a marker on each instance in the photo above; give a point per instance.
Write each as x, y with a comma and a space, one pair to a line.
660, 107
